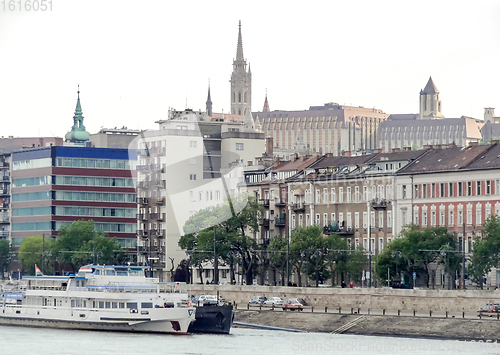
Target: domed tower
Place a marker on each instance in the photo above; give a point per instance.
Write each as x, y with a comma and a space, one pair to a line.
78, 134
241, 82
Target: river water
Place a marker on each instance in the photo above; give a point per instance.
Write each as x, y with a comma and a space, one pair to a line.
43, 341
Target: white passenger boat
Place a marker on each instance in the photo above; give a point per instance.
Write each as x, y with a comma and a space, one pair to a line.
117, 298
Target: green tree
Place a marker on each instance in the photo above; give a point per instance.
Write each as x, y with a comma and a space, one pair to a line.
278, 255
30, 253
236, 222
356, 262
5, 257
337, 256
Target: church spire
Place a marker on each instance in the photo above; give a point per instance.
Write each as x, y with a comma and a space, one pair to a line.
239, 48
266, 105
78, 134
209, 101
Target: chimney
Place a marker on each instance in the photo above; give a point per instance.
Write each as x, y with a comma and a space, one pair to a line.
377, 151
407, 149
396, 150
495, 141
438, 146
269, 146
347, 153
427, 146
473, 144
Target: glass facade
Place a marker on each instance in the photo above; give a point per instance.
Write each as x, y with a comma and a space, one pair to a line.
108, 227
32, 164
94, 181
96, 212
32, 181
32, 226
127, 243
32, 196
32, 211
94, 196
93, 163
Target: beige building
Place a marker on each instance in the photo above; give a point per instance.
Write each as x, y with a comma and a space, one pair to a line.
428, 127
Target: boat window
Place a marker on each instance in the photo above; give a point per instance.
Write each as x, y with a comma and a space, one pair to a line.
72, 303
84, 303
135, 272
101, 304
121, 272
110, 272
108, 304
122, 305
97, 272
146, 305
132, 305
114, 305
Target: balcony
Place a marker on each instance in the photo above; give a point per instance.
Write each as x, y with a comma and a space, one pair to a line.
279, 202
142, 152
334, 228
299, 207
159, 201
379, 204
143, 250
264, 203
264, 222
4, 219
161, 217
156, 216
5, 178
142, 233
142, 200
4, 191
143, 184
142, 217
4, 234
280, 222
142, 167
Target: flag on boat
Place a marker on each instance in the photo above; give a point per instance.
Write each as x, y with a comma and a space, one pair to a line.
38, 272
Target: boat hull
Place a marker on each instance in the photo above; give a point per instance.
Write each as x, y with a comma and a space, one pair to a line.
213, 319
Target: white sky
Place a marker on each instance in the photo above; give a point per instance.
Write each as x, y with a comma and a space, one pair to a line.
135, 59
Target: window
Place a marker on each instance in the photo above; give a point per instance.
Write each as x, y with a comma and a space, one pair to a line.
389, 219
403, 217
380, 244
424, 219
356, 194
460, 220
441, 190
450, 189
341, 219
192, 144
415, 191
365, 220
372, 219
318, 196
381, 219
293, 221
333, 217
356, 220
325, 219
497, 187
424, 191
433, 218
318, 219
192, 176
478, 215
365, 193
341, 194
325, 195
308, 220
460, 189
488, 187
433, 190
415, 216
348, 197
239, 146
349, 221
451, 217
469, 216
333, 195
478, 188
403, 192
469, 188
441, 218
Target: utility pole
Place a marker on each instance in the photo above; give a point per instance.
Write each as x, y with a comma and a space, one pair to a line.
216, 263
287, 258
463, 258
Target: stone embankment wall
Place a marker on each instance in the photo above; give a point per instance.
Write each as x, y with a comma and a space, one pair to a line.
373, 298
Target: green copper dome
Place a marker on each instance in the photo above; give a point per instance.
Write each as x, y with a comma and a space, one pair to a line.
78, 134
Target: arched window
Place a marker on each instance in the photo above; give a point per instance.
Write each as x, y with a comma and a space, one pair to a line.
245, 97
239, 111
239, 96
234, 97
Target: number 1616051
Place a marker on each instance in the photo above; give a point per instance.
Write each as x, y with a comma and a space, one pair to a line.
25, 5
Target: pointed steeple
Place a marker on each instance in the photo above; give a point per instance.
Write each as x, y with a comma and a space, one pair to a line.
430, 88
209, 101
266, 105
78, 134
239, 48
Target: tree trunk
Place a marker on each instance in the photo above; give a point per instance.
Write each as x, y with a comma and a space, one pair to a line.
298, 267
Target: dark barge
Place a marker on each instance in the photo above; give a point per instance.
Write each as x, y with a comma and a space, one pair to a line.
212, 319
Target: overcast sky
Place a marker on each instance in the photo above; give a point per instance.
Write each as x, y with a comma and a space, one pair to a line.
135, 59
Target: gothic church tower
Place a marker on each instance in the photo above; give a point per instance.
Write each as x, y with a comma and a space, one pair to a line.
430, 105
241, 82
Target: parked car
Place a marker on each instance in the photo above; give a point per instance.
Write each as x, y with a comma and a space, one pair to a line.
293, 304
258, 300
489, 310
274, 301
302, 301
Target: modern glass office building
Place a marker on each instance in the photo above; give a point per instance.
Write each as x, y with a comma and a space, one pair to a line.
56, 185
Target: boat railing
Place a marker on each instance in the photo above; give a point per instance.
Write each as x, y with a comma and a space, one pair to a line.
140, 287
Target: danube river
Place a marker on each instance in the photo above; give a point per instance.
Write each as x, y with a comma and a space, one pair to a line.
39, 341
